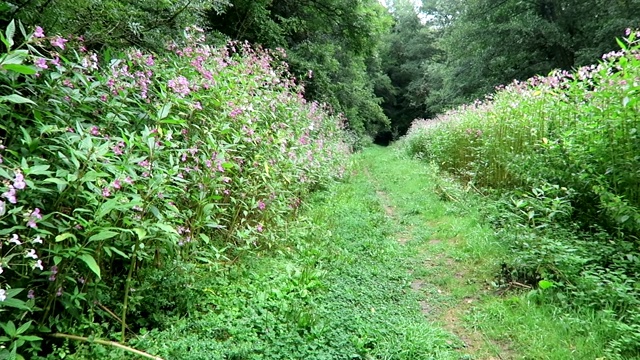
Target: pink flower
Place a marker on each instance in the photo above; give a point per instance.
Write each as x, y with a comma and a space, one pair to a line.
10, 195
180, 86
235, 112
41, 63
259, 228
106, 192
95, 131
261, 205
128, 180
197, 105
36, 214
39, 32
18, 182
116, 184
56, 61
59, 42
31, 294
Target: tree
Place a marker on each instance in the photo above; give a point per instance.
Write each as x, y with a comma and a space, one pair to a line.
487, 43
408, 48
336, 39
114, 23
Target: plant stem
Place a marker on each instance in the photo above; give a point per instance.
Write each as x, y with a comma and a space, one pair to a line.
107, 343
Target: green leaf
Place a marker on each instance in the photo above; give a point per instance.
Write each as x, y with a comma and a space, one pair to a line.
11, 30
205, 238
14, 292
118, 252
65, 236
164, 111
30, 338
9, 328
545, 284
167, 228
20, 69
24, 327
14, 303
16, 99
91, 263
142, 233
103, 235
14, 57
61, 184
22, 29
38, 170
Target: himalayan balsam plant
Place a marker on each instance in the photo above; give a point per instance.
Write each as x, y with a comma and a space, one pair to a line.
112, 164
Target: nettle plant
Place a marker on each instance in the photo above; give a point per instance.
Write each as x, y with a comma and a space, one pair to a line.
110, 165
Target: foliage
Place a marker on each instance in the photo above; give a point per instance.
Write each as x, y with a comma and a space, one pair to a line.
332, 47
487, 43
111, 167
561, 153
407, 51
107, 23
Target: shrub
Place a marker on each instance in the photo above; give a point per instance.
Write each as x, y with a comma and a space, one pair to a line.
117, 164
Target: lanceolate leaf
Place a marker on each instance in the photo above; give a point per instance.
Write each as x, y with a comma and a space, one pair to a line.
91, 263
22, 69
16, 99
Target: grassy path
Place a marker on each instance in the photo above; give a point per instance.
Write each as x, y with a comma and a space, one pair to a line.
386, 265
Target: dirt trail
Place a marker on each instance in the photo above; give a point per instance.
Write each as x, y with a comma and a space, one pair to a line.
449, 314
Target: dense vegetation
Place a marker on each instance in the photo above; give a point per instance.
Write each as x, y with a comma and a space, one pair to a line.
561, 155
140, 140
116, 168
459, 50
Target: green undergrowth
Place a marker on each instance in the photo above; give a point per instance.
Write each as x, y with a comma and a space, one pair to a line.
340, 289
